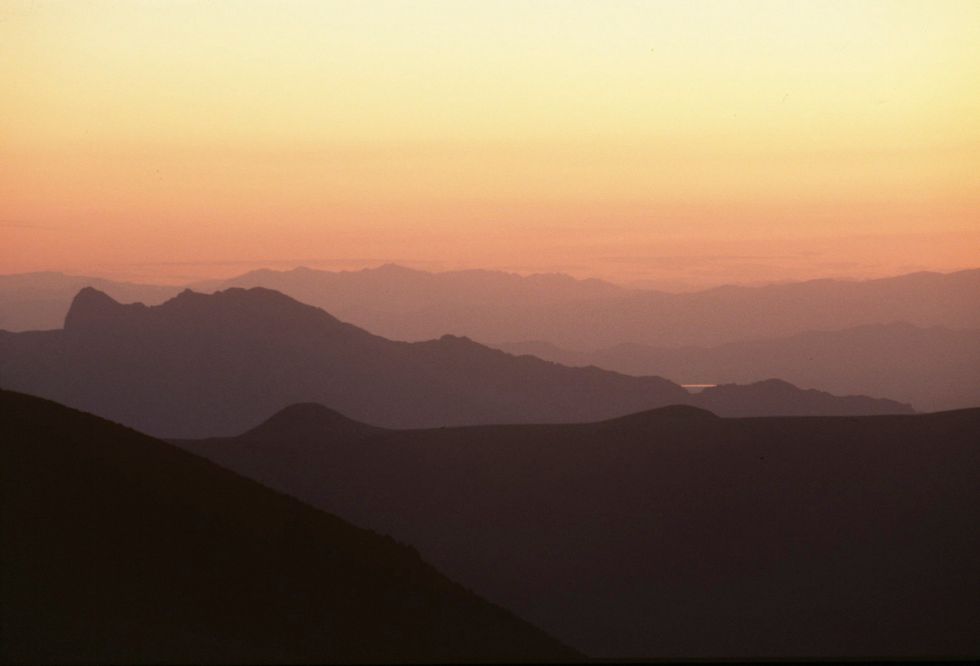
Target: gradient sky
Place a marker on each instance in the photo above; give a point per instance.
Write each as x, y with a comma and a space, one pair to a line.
684, 143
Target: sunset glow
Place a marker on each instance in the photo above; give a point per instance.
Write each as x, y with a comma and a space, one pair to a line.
679, 142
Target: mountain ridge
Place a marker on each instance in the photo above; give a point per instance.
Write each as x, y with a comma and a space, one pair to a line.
213, 361
445, 303
206, 364
938, 367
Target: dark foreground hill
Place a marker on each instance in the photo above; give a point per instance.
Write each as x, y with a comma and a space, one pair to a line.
121, 548
201, 365
671, 533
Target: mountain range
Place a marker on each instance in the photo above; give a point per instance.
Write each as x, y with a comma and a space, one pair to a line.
670, 533
496, 307
203, 365
119, 548
932, 368
405, 304
913, 338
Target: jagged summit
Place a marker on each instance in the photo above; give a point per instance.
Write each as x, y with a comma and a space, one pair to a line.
449, 337
88, 296
237, 293
91, 307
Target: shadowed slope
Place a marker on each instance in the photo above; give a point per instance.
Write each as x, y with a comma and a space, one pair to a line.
120, 548
672, 532
202, 365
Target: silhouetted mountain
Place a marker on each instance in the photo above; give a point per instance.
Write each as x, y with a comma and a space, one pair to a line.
404, 304
202, 365
207, 364
39, 301
775, 396
673, 533
932, 368
120, 548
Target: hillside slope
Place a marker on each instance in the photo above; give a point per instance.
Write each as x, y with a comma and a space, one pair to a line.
121, 548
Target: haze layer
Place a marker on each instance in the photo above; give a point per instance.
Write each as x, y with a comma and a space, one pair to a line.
683, 143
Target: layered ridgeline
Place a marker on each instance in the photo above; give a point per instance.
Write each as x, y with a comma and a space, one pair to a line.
932, 368
913, 338
490, 306
201, 365
671, 533
39, 301
118, 548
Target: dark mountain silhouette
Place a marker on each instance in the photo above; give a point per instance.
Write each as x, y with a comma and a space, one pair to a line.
39, 301
405, 304
118, 548
202, 365
207, 364
672, 533
775, 396
933, 368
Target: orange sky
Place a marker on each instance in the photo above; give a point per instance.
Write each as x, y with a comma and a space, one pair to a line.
686, 143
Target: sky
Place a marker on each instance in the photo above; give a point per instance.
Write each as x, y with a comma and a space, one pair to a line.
675, 144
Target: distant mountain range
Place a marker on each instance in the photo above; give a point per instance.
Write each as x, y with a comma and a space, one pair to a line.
408, 292
118, 548
932, 368
913, 338
670, 533
201, 365
495, 307
405, 304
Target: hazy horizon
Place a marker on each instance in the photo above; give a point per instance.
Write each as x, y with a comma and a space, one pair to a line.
232, 269
684, 144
